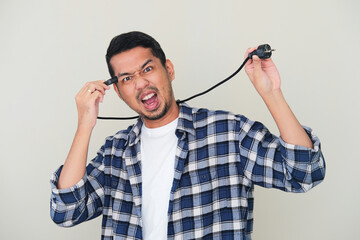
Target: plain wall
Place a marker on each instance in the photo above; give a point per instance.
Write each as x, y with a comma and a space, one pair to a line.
49, 49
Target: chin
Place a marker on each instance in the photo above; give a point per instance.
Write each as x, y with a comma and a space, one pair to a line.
157, 114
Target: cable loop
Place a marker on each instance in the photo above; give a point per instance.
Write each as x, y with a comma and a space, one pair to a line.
187, 99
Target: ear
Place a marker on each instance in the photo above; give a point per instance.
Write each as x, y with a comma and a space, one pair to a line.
170, 69
116, 88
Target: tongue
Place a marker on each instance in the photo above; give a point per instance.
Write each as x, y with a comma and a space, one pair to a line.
150, 100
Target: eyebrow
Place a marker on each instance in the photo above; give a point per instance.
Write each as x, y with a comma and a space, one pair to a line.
146, 63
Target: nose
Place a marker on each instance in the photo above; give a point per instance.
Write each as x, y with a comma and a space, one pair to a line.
140, 82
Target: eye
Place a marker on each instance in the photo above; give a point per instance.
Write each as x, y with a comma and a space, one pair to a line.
147, 69
125, 79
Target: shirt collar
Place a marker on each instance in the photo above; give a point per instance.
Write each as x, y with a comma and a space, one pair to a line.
186, 121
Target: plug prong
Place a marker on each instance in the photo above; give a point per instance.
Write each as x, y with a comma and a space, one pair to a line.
270, 50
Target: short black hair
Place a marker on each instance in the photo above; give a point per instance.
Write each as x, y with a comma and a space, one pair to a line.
130, 40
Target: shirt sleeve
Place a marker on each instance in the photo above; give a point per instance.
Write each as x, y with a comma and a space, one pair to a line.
268, 161
84, 200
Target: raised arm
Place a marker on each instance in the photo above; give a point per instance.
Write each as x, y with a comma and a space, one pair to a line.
266, 80
87, 102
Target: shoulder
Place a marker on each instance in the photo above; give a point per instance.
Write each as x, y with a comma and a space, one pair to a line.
119, 138
204, 116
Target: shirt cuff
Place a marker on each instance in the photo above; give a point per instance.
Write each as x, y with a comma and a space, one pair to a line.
69, 195
301, 153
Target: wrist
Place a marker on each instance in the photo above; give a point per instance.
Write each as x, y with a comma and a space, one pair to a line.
84, 128
273, 97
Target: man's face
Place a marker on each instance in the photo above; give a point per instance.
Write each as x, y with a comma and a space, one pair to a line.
145, 85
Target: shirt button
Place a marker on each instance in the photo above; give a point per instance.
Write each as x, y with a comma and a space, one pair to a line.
203, 177
114, 183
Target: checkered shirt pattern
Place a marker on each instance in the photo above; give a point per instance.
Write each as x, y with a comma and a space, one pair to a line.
219, 158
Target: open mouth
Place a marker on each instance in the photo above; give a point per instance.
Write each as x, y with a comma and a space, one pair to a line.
150, 100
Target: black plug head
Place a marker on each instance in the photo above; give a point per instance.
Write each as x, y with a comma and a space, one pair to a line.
111, 80
263, 51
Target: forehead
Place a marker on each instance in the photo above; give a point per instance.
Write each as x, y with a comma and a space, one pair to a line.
131, 60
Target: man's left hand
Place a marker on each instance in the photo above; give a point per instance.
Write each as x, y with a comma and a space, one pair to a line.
263, 74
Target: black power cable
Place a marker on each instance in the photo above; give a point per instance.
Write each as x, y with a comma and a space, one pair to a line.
216, 85
263, 52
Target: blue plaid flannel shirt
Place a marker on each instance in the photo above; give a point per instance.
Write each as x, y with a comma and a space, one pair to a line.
219, 158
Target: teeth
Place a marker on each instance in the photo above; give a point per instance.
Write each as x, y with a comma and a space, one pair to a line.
148, 96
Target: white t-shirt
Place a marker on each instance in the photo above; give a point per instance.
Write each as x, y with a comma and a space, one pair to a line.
158, 146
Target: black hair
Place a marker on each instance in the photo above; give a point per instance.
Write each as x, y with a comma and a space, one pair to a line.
130, 40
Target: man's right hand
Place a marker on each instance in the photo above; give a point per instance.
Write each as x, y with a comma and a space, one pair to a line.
87, 102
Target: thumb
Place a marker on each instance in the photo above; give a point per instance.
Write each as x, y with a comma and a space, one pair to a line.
257, 66
257, 63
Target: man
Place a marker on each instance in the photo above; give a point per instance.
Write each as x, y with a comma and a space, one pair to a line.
179, 172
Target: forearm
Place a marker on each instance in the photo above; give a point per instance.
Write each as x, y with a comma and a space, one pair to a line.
87, 102
75, 164
289, 127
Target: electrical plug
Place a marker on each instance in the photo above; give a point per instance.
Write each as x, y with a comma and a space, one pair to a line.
111, 81
263, 52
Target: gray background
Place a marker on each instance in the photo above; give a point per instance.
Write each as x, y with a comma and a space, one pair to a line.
49, 49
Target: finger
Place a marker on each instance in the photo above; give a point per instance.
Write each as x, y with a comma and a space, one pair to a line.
87, 89
249, 50
104, 85
257, 66
96, 86
249, 63
97, 95
101, 84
